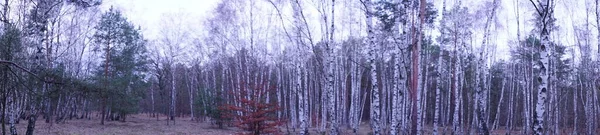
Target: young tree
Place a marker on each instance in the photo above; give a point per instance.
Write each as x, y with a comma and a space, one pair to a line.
124, 63
257, 116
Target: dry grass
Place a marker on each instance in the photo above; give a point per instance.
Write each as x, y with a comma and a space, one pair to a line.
145, 125
135, 125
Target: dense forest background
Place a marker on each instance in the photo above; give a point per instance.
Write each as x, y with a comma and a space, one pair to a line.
307, 66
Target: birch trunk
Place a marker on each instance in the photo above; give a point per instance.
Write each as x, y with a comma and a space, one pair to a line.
589, 109
399, 76
423, 89
497, 117
514, 85
301, 100
399, 86
373, 48
172, 107
543, 62
527, 97
437, 92
575, 110
355, 95
302, 115
152, 101
457, 97
481, 91
597, 80
11, 113
510, 101
330, 76
191, 92
438, 79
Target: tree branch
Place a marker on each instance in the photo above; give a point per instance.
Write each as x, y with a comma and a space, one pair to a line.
546, 11
306, 25
536, 8
26, 70
280, 18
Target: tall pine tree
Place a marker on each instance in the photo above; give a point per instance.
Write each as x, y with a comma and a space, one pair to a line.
121, 74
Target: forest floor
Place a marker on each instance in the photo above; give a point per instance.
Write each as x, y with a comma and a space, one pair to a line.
140, 124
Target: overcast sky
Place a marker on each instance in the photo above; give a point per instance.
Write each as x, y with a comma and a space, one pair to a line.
149, 15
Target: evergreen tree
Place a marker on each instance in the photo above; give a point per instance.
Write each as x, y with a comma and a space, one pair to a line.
10, 46
124, 62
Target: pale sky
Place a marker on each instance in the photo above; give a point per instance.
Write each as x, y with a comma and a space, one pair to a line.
149, 14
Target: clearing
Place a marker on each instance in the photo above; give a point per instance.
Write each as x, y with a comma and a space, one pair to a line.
140, 124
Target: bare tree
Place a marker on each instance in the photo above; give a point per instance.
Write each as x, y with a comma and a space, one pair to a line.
544, 10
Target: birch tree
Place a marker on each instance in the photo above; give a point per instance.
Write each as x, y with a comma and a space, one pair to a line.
458, 30
299, 44
399, 73
481, 91
174, 41
544, 12
329, 45
373, 48
439, 70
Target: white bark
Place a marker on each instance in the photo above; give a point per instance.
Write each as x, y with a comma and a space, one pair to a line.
481, 91
330, 76
527, 98
152, 100
424, 87
373, 48
540, 107
596, 82
399, 82
293, 105
437, 93
439, 71
11, 113
575, 108
589, 109
496, 118
301, 106
302, 102
399, 86
355, 95
513, 94
296, 90
598, 30
417, 65
172, 107
457, 94
191, 94
279, 91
